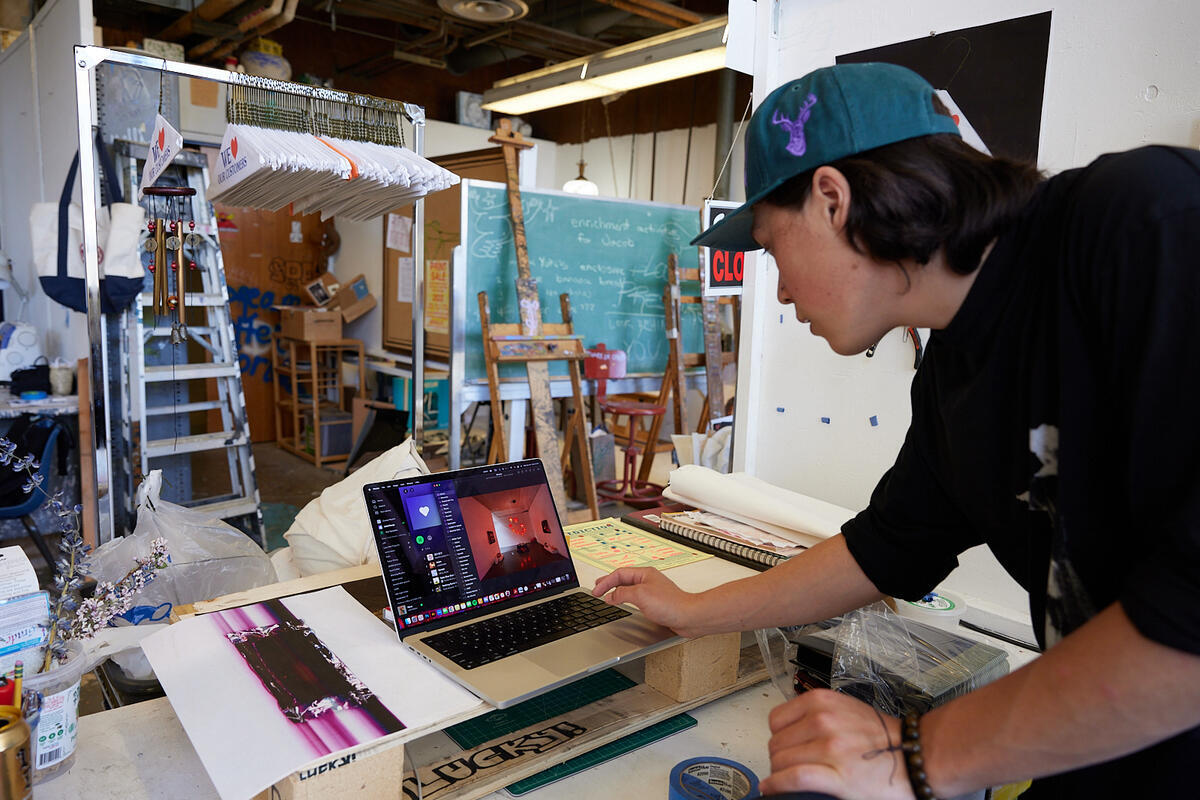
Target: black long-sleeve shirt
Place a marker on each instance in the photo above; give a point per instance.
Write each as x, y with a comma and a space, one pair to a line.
1057, 420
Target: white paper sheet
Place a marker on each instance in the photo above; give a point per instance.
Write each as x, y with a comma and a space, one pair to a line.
404, 279
244, 741
399, 232
16, 573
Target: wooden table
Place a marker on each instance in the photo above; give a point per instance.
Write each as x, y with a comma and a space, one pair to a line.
142, 751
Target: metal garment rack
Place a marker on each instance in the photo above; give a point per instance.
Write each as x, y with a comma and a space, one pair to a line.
87, 59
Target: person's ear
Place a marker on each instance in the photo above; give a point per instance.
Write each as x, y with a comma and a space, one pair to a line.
832, 191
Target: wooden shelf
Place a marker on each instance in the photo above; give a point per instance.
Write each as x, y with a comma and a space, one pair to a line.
317, 366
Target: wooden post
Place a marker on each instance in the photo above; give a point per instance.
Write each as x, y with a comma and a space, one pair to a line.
497, 452
675, 339
530, 311
714, 399
577, 426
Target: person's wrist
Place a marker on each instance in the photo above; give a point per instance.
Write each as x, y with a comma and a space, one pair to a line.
697, 616
914, 756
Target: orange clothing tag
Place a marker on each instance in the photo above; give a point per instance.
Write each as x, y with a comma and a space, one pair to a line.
353, 166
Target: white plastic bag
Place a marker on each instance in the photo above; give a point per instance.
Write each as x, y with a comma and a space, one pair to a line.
208, 557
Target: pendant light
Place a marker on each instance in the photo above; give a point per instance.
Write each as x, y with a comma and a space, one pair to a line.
581, 185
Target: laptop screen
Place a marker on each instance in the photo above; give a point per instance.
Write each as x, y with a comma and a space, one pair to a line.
459, 544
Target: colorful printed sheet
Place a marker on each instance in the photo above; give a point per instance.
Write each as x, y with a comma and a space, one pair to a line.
265, 689
610, 544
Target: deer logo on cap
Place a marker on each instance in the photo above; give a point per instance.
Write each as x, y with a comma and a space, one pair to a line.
796, 145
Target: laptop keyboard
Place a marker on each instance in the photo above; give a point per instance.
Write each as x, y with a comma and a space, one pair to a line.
523, 629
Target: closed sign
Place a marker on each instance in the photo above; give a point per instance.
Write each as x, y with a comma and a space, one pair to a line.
723, 270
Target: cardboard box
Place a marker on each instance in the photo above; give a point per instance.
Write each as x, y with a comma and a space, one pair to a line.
322, 290
374, 771
310, 324
353, 298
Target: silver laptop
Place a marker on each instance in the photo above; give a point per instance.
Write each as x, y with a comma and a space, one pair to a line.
482, 586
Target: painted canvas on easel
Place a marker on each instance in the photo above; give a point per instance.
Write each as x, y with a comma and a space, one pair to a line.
265, 689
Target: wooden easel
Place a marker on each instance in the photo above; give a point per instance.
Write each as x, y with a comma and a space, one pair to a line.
534, 344
713, 358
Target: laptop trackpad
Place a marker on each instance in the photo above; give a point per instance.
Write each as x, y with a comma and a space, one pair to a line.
577, 654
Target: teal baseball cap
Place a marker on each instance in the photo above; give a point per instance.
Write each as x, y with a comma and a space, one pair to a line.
830, 113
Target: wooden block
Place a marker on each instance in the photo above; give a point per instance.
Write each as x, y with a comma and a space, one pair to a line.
87, 461
376, 771
696, 667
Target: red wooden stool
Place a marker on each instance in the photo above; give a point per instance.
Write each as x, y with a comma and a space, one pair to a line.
600, 365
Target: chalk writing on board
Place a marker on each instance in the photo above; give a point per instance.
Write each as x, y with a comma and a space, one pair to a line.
609, 256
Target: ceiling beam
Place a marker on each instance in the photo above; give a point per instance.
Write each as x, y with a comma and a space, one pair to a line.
564, 41
658, 11
209, 11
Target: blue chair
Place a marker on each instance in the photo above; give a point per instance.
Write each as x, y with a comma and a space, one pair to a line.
35, 499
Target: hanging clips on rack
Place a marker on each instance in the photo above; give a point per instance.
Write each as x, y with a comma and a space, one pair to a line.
342, 115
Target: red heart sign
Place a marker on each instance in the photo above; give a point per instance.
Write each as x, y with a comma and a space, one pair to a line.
162, 137
233, 146
955, 118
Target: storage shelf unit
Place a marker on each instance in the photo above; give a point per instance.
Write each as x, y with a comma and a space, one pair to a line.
313, 375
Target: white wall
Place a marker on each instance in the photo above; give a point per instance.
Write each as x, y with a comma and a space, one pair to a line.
39, 132
609, 168
1103, 58
541, 509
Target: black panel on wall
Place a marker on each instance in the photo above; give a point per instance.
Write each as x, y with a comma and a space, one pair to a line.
996, 73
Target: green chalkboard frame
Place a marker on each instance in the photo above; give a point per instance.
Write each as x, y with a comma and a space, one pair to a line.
609, 254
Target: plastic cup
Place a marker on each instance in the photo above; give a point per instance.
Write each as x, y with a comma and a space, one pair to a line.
54, 727
61, 379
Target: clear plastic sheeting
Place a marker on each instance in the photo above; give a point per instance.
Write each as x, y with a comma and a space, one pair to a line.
872, 654
208, 557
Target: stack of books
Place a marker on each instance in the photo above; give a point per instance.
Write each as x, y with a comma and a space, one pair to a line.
741, 517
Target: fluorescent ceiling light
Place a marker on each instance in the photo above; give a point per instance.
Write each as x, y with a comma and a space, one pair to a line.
677, 54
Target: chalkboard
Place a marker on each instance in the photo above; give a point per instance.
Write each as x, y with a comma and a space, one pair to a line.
610, 255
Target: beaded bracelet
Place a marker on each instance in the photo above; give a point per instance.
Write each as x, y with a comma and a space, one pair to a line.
914, 758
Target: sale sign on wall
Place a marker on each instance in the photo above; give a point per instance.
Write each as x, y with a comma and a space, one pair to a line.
723, 270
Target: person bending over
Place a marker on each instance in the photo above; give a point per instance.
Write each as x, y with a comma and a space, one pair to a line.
1053, 419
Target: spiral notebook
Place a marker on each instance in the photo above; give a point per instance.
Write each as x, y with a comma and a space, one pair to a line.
681, 524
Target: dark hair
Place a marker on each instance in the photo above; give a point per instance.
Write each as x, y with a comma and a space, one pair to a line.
909, 198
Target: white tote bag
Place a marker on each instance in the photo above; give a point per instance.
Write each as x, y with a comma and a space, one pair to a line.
56, 230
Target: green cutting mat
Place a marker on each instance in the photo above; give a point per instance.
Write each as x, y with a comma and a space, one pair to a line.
575, 695
603, 753
475, 732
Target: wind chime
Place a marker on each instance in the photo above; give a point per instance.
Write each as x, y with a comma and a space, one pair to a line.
167, 241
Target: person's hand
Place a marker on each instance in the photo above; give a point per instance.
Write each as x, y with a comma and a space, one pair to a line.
655, 595
823, 741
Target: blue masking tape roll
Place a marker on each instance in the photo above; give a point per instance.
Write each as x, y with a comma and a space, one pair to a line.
712, 778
